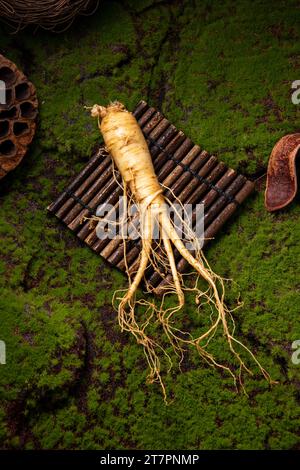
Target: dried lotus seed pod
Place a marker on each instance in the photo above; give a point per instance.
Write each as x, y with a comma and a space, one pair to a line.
18, 112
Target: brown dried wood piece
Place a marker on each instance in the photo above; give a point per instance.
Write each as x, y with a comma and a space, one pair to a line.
18, 111
281, 176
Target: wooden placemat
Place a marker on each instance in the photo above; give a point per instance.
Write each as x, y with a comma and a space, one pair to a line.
192, 174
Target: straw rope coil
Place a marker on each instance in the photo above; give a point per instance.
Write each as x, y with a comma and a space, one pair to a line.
54, 15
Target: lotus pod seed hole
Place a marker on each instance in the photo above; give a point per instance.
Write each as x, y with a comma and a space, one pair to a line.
22, 91
27, 110
4, 128
20, 128
9, 113
7, 75
7, 148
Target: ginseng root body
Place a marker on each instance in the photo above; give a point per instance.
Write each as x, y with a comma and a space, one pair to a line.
128, 148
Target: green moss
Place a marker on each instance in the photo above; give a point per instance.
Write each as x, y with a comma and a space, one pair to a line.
222, 72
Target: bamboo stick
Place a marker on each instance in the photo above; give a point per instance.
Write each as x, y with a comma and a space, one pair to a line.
212, 194
221, 201
140, 109
211, 178
165, 165
146, 116
187, 177
104, 175
165, 140
92, 164
168, 174
229, 210
152, 123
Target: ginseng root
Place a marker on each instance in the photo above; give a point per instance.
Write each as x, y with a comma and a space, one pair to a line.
126, 144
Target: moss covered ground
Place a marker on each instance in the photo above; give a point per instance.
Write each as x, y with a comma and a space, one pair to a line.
221, 71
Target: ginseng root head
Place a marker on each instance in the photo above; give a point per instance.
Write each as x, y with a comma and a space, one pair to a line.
98, 111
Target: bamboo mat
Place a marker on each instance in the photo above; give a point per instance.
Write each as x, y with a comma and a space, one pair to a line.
192, 174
